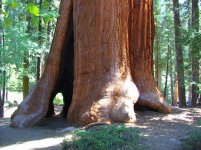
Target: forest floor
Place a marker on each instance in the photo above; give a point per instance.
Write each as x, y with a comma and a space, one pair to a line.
160, 131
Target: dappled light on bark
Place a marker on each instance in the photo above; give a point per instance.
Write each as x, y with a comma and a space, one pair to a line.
141, 54
103, 88
35, 106
99, 48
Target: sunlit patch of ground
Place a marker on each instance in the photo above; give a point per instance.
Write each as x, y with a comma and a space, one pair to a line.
166, 131
160, 131
43, 137
8, 111
187, 115
48, 143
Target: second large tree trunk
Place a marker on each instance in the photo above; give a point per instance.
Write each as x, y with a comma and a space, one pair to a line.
141, 53
90, 64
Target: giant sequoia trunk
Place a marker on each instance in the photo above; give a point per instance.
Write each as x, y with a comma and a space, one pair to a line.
141, 54
97, 44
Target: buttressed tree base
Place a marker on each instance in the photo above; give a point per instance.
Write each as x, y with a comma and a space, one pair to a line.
101, 60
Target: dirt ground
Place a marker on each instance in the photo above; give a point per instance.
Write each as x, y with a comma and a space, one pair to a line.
160, 131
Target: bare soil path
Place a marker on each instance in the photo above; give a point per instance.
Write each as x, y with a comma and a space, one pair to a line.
160, 131
166, 132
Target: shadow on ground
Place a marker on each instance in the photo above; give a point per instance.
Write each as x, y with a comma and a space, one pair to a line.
160, 131
47, 132
166, 131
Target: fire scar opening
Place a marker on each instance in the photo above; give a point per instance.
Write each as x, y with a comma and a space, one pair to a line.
66, 75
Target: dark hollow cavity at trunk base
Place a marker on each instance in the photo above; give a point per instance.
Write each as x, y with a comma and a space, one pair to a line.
66, 76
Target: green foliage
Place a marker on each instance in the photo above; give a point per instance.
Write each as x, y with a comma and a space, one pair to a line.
14, 4
199, 122
193, 141
19, 34
164, 37
33, 9
114, 137
58, 101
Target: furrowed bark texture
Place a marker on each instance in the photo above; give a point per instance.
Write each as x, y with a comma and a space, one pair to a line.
103, 88
179, 55
195, 53
35, 106
141, 55
99, 41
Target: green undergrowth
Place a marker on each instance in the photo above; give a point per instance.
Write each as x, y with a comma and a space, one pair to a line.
58, 101
114, 137
199, 122
193, 141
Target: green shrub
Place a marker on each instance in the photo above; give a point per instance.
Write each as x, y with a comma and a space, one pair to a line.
58, 101
193, 141
199, 122
104, 138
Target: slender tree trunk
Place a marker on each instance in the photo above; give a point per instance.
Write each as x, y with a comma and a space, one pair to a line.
176, 91
157, 62
1, 108
2, 95
40, 40
1, 101
167, 67
158, 66
25, 88
166, 77
195, 53
48, 32
189, 72
190, 96
25, 79
179, 55
171, 84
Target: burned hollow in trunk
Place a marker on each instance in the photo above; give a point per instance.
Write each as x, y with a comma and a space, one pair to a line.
66, 75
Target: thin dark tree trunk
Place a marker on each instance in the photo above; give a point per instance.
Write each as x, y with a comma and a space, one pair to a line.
176, 91
166, 78
25, 88
1, 72
25, 79
157, 62
48, 32
195, 53
179, 55
189, 99
167, 67
171, 83
2, 97
1, 108
40, 40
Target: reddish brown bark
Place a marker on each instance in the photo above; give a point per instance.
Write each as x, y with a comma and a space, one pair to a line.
141, 54
103, 90
35, 106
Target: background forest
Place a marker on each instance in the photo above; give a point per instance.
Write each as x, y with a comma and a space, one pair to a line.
27, 28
